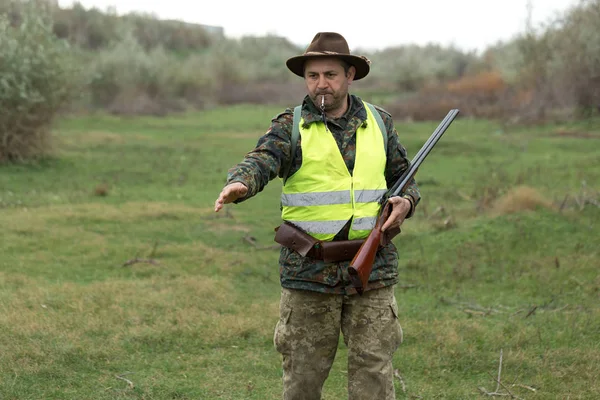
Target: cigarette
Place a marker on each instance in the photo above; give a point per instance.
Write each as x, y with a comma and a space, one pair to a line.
323, 101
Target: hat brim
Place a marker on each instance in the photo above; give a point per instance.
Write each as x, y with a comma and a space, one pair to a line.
296, 64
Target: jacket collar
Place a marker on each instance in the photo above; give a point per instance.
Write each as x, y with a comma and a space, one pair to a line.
310, 113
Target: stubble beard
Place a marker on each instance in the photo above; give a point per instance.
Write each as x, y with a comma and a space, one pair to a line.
330, 105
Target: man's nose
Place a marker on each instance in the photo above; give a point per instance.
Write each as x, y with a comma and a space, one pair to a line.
322, 84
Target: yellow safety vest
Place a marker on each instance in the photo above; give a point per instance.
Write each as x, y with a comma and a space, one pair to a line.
322, 196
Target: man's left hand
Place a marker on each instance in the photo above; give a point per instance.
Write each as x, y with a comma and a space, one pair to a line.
400, 209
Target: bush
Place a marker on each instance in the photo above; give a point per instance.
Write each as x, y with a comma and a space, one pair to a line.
575, 67
128, 79
37, 78
560, 64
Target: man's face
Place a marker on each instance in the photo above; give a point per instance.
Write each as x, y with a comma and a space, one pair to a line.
326, 76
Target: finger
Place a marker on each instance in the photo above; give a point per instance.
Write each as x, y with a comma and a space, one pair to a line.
388, 223
395, 219
218, 204
229, 194
221, 200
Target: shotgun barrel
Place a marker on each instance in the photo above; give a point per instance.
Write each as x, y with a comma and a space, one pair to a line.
362, 263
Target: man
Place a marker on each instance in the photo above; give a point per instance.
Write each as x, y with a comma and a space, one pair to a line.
341, 165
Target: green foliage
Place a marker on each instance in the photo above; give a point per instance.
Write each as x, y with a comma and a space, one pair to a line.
37, 78
560, 61
411, 67
575, 61
126, 78
92, 29
139, 64
266, 56
176, 36
127, 74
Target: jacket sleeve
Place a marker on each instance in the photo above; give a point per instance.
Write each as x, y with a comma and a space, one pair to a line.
263, 163
398, 162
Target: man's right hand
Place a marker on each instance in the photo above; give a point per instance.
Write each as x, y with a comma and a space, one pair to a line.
230, 193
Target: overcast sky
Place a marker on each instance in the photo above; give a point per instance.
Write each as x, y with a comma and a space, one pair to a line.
467, 24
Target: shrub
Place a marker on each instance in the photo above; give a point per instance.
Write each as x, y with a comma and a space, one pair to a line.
575, 67
37, 78
560, 64
126, 78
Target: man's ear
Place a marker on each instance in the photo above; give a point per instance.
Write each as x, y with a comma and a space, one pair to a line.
351, 73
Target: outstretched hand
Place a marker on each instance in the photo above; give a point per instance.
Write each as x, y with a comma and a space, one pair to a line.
400, 209
230, 193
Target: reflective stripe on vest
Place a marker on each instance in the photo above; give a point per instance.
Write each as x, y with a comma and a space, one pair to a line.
322, 196
333, 227
328, 198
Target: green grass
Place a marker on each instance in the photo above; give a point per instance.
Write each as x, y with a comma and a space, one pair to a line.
486, 265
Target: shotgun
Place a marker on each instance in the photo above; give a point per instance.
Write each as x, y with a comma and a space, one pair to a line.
362, 263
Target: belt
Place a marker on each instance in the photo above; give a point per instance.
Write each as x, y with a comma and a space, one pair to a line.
292, 237
342, 250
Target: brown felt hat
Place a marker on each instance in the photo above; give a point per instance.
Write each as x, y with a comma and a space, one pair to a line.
329, 44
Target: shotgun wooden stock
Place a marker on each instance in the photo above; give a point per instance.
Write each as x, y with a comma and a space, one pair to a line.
362, 263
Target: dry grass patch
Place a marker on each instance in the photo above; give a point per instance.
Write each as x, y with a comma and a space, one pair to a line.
117, 308
120, 309
127, 212
521, 198
91, 138
98, 137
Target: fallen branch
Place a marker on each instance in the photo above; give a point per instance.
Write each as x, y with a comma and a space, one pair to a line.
492, 394
464, 196
122, 377
470, 308
153, 252
594, 202
531, 312
141, 260
564, 202
560, 309
399, 377
499, 371
251, 240
473, 312
525, 387
498, 384
512, 396
226, 213
407, 286
440, 210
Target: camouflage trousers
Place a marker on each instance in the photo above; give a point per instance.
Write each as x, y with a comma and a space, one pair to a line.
307, 336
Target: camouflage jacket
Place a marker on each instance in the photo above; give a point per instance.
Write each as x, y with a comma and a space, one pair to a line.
268, 161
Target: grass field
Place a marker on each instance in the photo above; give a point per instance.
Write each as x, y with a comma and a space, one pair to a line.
501, 260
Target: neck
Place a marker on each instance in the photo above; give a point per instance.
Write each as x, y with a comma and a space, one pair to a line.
337, 113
